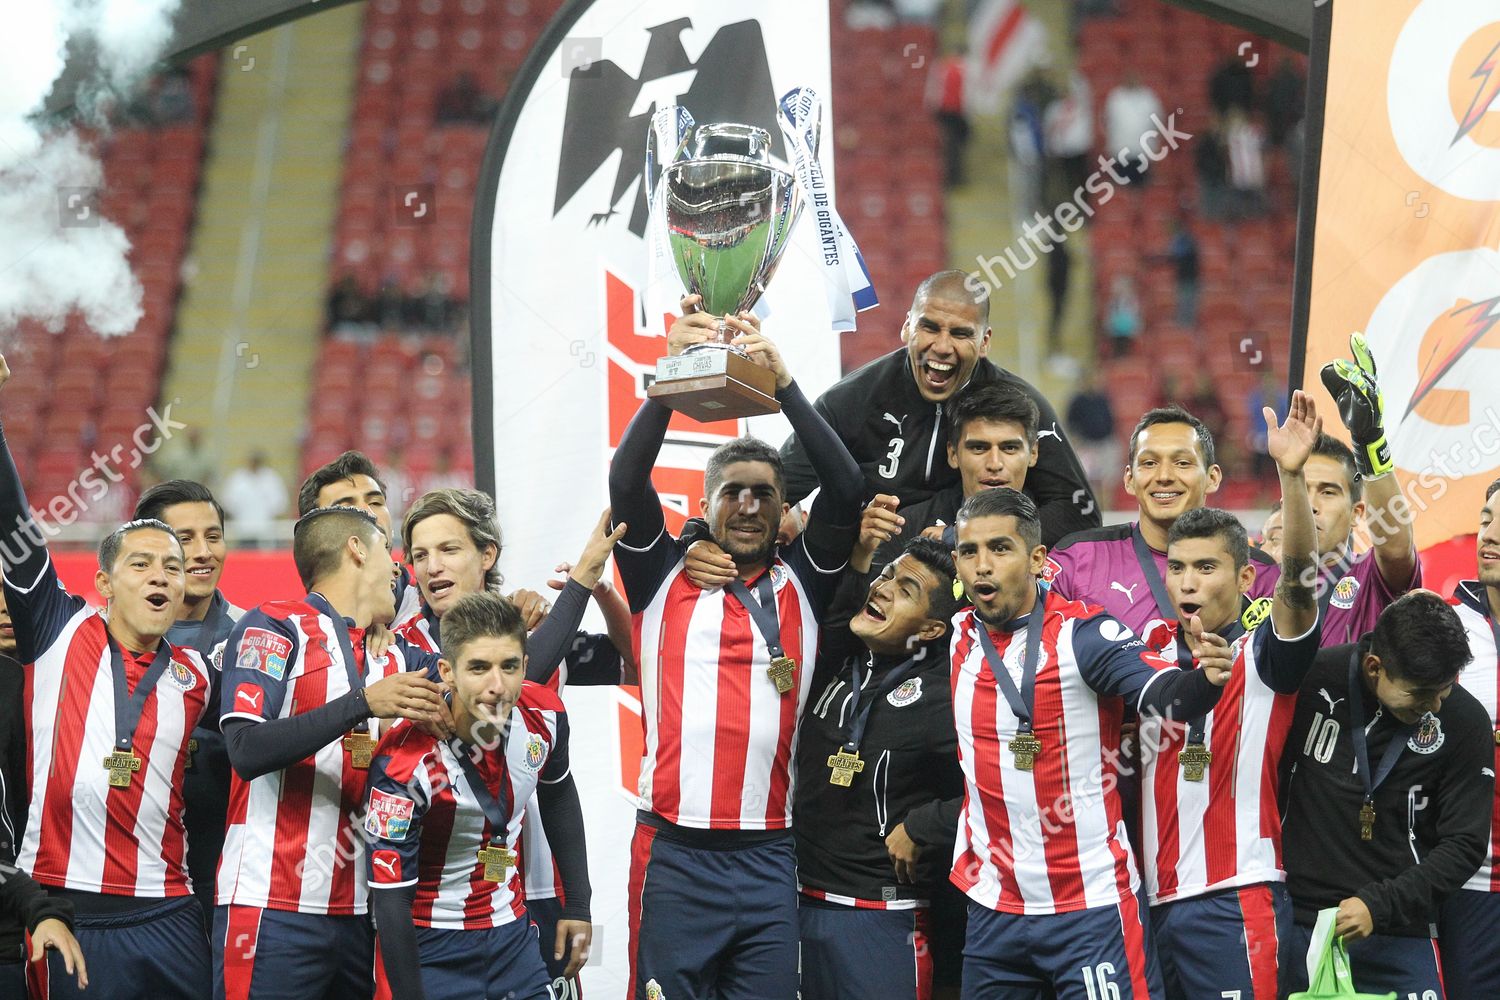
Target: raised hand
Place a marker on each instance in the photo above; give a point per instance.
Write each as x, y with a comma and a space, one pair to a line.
1356, 390
590, 565
1292, 442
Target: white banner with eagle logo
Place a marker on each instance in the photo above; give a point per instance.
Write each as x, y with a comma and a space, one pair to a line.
1407, 248
563, 343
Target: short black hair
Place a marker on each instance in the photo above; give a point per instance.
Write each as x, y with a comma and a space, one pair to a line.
348, 465
741, 449
318, 539
1490, 490
941, 603
155, 501
477, 615
1420, 639
992, 401
1005, 502
1331, 447
1175, 414
1210, 522
109, 548
956, 286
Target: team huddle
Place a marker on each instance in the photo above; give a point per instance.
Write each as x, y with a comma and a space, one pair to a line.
945, 711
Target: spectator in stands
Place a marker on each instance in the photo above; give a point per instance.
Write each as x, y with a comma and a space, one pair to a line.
390, 305
1124, 314
1183, 252
1068, 130
1059, 270
1269, 391
945, 99
254, 497
1091, 421
1232, 87
349, 308
462, 102
1286, 96
1247, 167
400, 489
894, 413
1130, 112
1206, 405
185, 457
1211, 163
1026, 142
432, 306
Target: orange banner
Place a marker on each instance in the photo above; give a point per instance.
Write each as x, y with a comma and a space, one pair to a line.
1405, 246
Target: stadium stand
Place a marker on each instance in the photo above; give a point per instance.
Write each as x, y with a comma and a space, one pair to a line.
151, 175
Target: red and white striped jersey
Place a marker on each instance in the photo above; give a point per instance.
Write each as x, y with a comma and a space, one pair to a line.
293, 839
1051, 839
83, 834
426, 826
1481, 678
720, 739
1223, 831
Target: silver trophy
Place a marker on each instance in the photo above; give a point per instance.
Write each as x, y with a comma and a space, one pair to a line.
723, 214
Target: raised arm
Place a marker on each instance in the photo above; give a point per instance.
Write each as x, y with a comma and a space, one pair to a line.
1355, 389
1294, 610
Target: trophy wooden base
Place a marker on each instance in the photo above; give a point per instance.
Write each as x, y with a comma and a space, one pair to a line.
713, 385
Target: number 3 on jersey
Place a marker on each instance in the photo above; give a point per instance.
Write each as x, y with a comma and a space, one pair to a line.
892, 458
1097, 980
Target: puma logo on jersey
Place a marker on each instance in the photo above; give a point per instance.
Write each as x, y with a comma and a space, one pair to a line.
892, 418
249, 696
1049, 433
1117, 585
1332, 704
389, 866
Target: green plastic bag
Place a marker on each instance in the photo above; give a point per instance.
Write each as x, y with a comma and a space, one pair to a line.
1328, 973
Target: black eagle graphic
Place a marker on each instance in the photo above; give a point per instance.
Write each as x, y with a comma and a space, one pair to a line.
733, 84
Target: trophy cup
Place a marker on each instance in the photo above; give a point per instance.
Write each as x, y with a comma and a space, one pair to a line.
723, 214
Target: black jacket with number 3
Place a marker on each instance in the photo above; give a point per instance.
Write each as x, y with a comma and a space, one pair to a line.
900, 441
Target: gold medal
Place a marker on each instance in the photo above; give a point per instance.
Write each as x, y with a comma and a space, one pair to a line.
782, 671
361, 749
1025, 746
845, 765
1367, 821
121, 765
1194, 758
495, 860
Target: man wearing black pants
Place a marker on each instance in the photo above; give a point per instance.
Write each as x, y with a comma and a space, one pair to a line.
1388, 801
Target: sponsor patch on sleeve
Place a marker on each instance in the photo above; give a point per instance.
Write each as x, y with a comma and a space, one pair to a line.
265, 651
389, 816
386, 867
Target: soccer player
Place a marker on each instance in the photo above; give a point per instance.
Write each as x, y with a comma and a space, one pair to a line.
725, 675
1122, 567
453, 543
445, 818
1348, 485
1212, 837
1270, 533
1387, 806
190, 510
1039, 686
894, 414
110, 705
1469, 929
300, 694
878, 784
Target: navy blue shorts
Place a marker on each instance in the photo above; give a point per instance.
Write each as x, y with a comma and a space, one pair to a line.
1226, 942
545, 913
854, 954
281, 955
1105, 951
1469, 939
13, 980
712, 922
495, 962
1381, 963
159, 953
